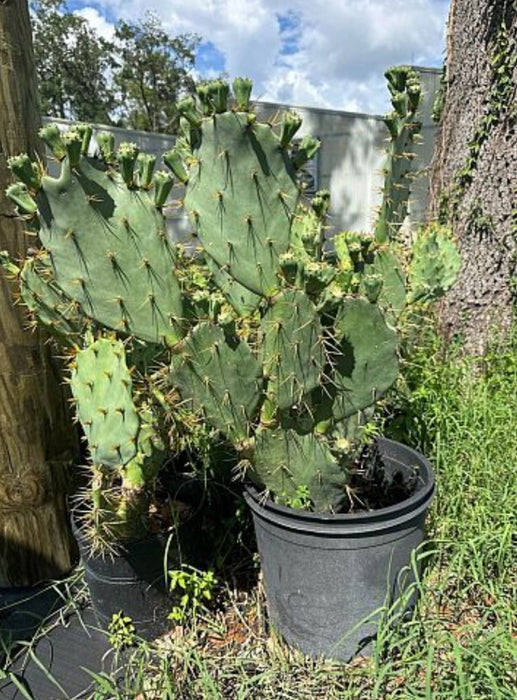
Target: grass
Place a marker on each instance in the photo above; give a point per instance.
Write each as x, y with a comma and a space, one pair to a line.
461, 643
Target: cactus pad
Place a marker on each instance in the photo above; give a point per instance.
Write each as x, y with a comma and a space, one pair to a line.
292, 348
108, 245
101, 386
365, 356
283, 461
434, 266
242, 192
219, 375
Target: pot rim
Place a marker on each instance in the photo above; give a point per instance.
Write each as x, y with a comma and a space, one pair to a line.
364, 521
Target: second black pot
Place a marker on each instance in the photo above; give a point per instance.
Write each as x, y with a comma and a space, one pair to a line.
325, 575
131, 581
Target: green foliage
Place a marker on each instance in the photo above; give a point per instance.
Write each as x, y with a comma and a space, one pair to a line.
134, 80
121, 631
195, 588
301, 498
71, 64
153, 73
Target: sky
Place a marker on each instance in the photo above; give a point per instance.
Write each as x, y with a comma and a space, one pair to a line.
317, 53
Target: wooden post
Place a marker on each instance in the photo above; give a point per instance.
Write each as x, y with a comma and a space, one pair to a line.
37, 444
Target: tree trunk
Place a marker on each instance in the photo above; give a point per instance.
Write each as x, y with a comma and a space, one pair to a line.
474, 179
36, 438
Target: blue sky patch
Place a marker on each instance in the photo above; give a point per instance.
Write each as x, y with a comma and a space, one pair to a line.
209, 58
73, 5
289, 25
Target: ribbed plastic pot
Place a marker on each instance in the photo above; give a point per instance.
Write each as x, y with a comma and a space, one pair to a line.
326, 575
131, 581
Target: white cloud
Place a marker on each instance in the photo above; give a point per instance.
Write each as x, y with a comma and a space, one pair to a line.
100, 24
336, 53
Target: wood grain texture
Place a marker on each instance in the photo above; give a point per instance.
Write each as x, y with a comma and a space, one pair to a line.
481, 303
37, 443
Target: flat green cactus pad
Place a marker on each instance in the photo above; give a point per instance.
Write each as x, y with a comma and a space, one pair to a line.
365, 357
434, 266
243, 300
392, 298
46, 302
101, 386
292, 351
284, 461
109, 251
241, 193
221, 377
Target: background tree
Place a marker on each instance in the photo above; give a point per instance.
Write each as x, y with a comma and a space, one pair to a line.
153, 72
36, 439
73, 65
474, 179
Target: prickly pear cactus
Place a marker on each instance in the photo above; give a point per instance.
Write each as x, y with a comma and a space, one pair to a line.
241, 186
101, 224
319, 329
292, 351
434, 265
101, 387
284, 460
404, 129
221, 377
124, 445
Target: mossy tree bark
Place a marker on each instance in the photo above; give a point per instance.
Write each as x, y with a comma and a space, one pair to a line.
37, 442
474, 179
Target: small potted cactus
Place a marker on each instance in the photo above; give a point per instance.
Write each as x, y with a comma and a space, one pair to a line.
285, 351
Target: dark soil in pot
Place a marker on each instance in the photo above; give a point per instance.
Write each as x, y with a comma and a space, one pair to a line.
326, 574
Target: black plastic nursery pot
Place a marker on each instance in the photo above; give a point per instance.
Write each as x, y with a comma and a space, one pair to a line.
131, 580
326, 575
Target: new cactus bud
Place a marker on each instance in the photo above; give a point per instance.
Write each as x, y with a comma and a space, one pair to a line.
218, 92
308, 148
290, 124
10, 268
242, 92
127, 154
73, 144
25, 170
321, 202
173, 159
85, 131
145, 164
21, 198
372, 285
51, 137
106, 144
204, 98
163, 183
187, 109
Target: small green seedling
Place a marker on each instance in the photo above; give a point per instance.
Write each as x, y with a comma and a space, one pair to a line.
195, 587
121, 631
